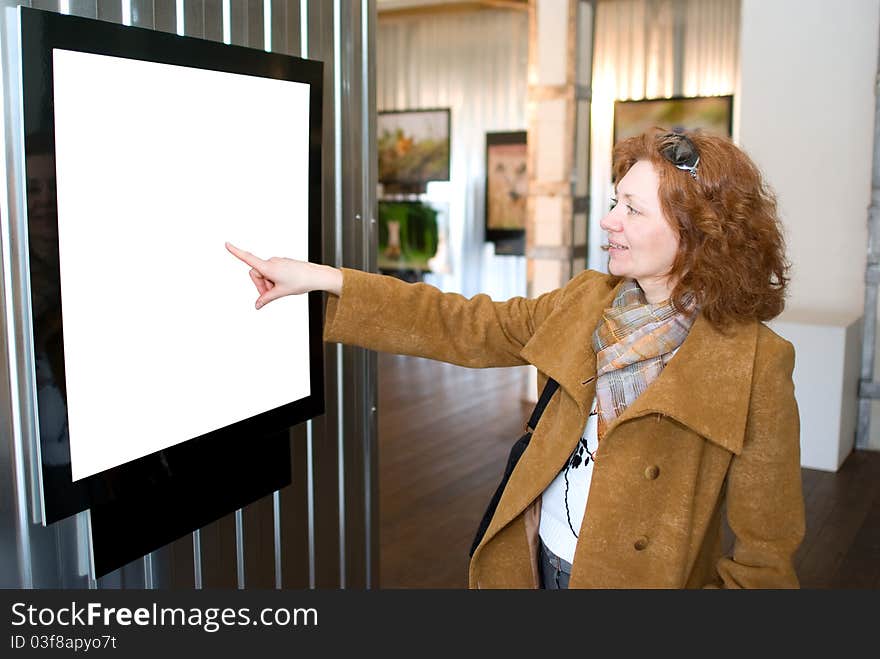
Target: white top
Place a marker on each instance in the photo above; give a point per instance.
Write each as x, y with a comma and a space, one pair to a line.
554, 528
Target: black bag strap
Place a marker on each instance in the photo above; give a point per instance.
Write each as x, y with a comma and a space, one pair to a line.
549, 389
519, 447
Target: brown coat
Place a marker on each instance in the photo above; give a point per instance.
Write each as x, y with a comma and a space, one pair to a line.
719, 424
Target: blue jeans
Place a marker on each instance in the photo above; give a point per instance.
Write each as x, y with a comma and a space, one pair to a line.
555, 572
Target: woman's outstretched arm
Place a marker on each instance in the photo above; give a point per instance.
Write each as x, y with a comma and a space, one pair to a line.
386, 314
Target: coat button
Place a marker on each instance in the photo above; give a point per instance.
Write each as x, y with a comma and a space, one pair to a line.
652, 472
641, 543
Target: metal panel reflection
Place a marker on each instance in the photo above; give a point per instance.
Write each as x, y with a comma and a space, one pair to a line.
165, 15
34, 555
142, 13
86, 8
213, 20
194, 18
109, 10
16, 570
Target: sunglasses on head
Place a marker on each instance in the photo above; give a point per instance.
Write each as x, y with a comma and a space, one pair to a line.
680, 151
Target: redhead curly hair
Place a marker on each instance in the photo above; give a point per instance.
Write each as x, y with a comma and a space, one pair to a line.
731, 247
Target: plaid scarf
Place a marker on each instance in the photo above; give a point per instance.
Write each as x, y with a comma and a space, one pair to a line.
633, 342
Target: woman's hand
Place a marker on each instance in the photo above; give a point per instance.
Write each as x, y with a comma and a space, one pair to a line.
277, 277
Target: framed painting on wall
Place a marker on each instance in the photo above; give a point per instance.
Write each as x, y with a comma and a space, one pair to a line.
507, 186
711, 113
413, 148
409, 236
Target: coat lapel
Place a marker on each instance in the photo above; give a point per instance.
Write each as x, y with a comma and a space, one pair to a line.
706, 387
562, 347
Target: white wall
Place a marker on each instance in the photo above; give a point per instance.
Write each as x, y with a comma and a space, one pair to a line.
806, 116
635, 57
474, 62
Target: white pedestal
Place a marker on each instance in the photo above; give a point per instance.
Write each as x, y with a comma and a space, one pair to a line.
826, 380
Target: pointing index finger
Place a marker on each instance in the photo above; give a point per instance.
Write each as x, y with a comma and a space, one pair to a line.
247, 257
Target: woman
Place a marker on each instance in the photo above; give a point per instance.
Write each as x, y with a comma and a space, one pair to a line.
675, 403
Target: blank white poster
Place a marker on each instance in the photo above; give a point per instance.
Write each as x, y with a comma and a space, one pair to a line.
157, 167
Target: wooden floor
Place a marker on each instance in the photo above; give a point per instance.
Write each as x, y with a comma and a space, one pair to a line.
444, 433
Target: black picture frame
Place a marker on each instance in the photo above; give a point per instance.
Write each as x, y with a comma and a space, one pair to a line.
194, 478
508, 241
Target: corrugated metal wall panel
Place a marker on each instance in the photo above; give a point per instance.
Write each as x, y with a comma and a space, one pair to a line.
86, 8
142, 13
110, 10
194, 18
255, 26
165, 15
48, 5
213, 13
